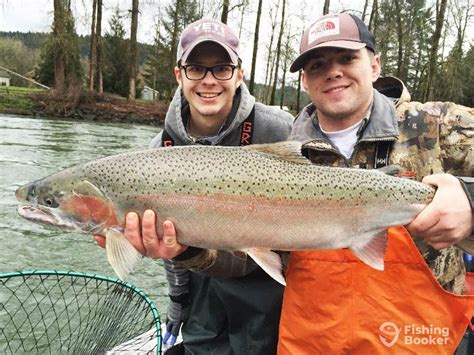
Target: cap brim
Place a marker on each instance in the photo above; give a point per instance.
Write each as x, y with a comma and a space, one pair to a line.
302, 58
234, 58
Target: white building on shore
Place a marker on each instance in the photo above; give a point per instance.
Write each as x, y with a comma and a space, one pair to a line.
4, 78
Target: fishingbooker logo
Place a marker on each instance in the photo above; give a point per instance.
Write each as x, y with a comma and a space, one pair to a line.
413, 334
389, 334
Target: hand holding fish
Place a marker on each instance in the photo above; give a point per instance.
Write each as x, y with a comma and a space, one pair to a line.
448, 218
146, 239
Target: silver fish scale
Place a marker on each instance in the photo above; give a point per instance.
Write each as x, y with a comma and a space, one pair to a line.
235, 198
204, 170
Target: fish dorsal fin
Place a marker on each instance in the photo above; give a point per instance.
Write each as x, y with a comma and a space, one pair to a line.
86, 188
270, 262
288, 150
121, 254
373, 252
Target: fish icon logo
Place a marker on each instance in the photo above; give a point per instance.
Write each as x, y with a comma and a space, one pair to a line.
389, 334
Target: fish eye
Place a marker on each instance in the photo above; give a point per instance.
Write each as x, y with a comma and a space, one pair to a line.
50, 201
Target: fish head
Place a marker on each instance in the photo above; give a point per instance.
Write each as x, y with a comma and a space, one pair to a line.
66, 201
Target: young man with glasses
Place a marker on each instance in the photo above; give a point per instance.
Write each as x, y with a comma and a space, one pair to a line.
233, 305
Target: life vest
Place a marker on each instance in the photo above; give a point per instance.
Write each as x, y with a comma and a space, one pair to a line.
335, 304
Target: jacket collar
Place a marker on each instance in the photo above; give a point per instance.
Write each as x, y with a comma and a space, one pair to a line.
381, 124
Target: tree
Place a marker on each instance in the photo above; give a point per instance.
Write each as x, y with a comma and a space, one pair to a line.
115, 69
255, 47
44, 72
270, 57
467, 73
95, 67
440, 12
327, 3
275, 79
404, 50
399, 27
448, 84
373, 20
288, 55
15, 56
225, 11
132, 64
99, 45
364, 12
162, 59
65, 48
245, 4
93, 49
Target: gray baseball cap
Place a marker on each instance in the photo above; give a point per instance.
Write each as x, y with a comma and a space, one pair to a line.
335, 30
208, 30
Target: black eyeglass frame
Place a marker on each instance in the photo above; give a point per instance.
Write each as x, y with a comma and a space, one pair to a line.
208, 69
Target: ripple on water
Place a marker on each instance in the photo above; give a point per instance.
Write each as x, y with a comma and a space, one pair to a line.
33, 148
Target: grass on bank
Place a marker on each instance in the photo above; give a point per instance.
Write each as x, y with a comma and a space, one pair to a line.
14, 99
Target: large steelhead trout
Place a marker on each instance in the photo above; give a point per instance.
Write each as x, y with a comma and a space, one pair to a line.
254, 199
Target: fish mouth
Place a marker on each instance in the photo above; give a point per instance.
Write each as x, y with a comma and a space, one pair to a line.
43, 216
51, 217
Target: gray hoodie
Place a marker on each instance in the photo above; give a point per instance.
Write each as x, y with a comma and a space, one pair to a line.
270, 125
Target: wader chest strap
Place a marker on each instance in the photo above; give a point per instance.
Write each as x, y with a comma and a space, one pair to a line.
382, 151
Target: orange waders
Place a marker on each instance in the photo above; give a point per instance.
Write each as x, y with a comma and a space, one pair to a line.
335, 304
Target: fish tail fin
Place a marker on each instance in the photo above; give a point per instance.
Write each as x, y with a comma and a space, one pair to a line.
270, 262
121, 254
372, 252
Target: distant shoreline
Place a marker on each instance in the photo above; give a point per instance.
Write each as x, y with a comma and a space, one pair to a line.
88, 107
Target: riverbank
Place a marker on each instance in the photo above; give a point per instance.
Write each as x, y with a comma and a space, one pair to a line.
83, 106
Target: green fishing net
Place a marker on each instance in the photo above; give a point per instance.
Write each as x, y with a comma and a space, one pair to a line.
68, 312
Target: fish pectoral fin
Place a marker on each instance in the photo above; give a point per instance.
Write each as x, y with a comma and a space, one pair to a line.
373, 252
466, 245
288, 150
270, 262
121, 254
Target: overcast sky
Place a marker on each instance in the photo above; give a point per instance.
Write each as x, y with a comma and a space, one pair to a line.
36, 16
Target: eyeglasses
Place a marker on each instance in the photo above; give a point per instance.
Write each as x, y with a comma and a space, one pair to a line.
198, 72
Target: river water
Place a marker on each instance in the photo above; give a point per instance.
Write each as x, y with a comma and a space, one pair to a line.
31, 148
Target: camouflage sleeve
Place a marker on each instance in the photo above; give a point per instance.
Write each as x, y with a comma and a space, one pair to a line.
457, 139
435, 137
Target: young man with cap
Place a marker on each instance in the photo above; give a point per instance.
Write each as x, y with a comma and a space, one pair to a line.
334, 303
233, 305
